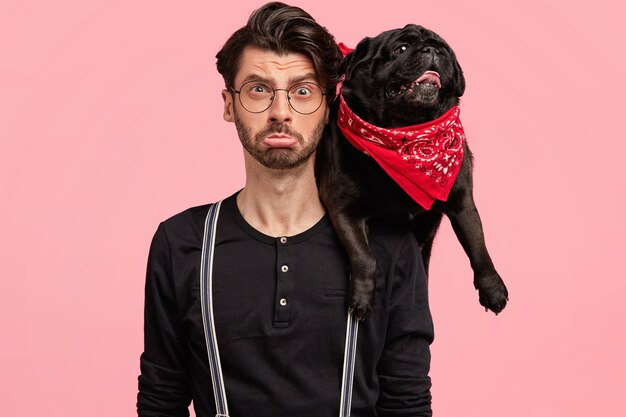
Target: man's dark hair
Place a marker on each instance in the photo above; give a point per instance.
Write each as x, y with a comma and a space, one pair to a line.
284, 29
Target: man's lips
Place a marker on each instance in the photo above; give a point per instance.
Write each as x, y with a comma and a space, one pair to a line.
279, 141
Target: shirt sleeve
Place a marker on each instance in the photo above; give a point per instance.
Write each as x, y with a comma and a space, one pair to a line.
164, 381
405, 362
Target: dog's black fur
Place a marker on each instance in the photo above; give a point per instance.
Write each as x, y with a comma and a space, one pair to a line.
355, 189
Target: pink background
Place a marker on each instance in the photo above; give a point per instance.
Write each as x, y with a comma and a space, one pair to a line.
110, 121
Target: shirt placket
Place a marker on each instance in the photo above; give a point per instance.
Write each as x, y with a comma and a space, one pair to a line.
283, 299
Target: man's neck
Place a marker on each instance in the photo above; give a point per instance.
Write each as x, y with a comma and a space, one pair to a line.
280, 202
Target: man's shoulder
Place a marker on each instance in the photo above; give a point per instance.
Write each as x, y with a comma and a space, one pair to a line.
187, 215
186, 223
392, 236
394, 247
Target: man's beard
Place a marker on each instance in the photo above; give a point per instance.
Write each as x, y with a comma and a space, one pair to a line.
278, 158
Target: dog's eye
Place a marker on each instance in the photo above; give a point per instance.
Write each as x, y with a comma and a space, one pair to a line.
400, 49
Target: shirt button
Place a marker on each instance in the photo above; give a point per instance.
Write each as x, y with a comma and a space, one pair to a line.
284, 268
283, 239
283, 302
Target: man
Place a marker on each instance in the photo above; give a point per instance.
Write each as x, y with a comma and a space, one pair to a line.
280, 274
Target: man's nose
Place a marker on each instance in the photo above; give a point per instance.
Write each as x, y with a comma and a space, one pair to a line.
280, 109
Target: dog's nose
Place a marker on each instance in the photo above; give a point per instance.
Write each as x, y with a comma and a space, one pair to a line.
429, 50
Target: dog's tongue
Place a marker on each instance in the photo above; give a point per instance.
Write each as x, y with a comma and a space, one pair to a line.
431, 77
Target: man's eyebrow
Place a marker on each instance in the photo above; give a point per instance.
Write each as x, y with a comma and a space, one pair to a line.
309, 77
255, 77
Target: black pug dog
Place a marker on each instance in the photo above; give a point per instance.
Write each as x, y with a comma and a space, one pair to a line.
402, 77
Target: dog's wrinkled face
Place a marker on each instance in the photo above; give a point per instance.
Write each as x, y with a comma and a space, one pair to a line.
402, 77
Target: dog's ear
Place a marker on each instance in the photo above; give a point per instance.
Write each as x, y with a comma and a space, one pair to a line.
354, 58
459, 79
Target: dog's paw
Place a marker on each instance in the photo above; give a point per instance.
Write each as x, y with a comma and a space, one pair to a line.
492, 292
361, 298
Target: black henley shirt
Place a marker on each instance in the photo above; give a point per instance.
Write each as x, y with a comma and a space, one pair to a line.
280, 317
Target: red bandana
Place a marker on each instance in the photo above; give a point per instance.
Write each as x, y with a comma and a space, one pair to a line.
423, 159
345, 50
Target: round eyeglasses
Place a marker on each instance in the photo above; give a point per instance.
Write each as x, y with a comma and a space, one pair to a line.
304, 97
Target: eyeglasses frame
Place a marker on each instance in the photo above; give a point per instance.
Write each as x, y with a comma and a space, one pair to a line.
274, 90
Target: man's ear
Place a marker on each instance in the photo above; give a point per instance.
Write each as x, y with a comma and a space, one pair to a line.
228, 106
327, 114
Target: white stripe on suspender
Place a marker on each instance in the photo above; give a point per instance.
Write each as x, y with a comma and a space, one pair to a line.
349, 355
206, 300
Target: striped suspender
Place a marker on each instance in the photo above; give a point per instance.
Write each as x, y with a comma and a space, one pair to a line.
206, 299
348, 366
